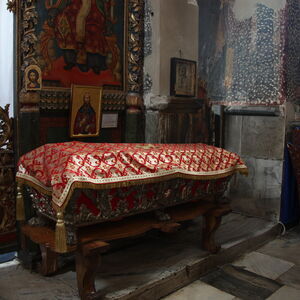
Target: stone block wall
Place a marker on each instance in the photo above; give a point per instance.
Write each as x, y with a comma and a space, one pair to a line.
260, 141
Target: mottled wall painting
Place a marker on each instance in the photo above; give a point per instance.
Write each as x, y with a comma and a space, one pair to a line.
241, 51
292, 51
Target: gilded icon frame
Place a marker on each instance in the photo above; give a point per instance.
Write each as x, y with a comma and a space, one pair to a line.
35, 84
57, 97
183, 77
85, 112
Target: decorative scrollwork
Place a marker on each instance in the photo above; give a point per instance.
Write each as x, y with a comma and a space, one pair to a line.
135, 46
7, 185
53, 99
11, 5
29, 53
28, 34
6, 129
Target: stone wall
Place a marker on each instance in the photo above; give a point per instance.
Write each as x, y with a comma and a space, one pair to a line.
241, 50
171, 30
241, 57
259, 140
247, 51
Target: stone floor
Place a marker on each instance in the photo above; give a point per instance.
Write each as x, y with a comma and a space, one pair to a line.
271, 272
156, 265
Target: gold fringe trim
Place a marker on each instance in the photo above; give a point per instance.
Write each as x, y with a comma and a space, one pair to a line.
20, 211
89, 185
34, 185
98, 186
60, 234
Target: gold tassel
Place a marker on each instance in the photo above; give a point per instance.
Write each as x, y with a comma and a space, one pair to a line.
60, 234
20, 212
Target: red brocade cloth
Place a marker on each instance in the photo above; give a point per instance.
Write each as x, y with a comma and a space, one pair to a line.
57, 169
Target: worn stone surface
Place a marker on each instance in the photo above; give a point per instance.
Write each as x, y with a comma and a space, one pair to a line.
199, 290
241, 283
287, 247
291, 277
285, 292
249, 276
264, 265
259, 193
260, 141
17, 283
151, 132
263, 137
233, 133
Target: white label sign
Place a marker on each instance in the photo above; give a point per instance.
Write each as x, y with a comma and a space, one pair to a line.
109, 121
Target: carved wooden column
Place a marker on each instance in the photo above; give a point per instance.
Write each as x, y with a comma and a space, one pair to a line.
26, 108
134, 100
27, 100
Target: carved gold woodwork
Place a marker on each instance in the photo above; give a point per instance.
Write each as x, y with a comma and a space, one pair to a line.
135, 46
59, 98
11, 5
54, 99
134, 103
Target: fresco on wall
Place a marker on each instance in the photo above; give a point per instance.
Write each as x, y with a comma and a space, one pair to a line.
292, 50
240, 51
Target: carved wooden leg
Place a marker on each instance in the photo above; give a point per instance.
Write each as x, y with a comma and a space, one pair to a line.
212, 221
49, 264
88, 258
24, 254
208, 235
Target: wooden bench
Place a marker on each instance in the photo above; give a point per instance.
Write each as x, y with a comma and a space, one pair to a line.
94, 240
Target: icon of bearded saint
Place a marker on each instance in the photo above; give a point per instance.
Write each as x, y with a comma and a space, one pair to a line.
79, 28
85, 120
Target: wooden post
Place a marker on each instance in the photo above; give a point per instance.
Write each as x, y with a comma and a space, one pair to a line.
212, 221
88, 258
49, 263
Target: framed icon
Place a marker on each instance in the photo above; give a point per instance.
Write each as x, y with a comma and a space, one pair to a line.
33, 78
183, 77
85, 117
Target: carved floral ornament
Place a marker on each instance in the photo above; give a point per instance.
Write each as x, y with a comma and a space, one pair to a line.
6, 129
11, 5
